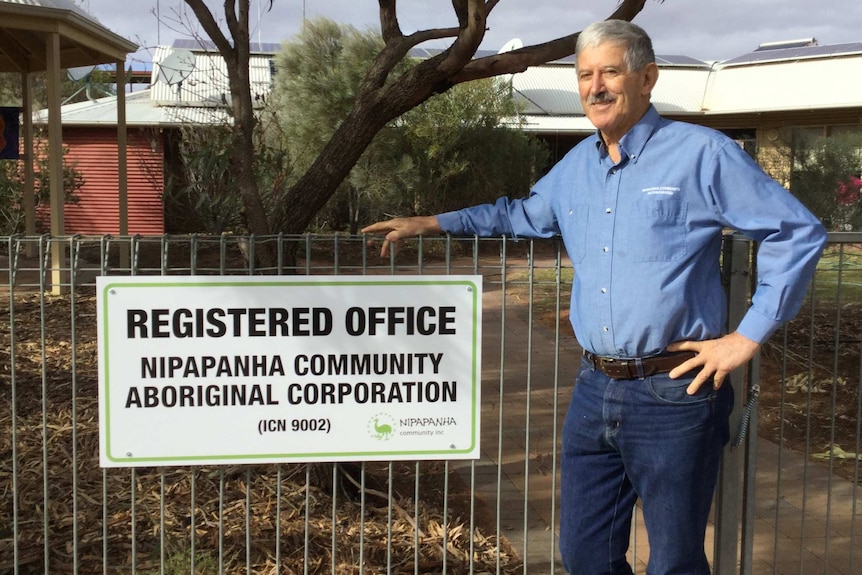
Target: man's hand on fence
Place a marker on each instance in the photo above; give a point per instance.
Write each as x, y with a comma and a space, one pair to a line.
717, 357
398, 229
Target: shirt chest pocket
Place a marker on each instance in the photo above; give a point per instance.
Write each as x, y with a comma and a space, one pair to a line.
575, 230
655, 230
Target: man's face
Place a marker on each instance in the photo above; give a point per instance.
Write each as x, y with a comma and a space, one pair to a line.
614, 98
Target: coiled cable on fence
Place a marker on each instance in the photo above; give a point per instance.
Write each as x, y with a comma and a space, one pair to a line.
744, 423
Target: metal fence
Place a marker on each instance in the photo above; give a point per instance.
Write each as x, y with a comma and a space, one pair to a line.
787, 499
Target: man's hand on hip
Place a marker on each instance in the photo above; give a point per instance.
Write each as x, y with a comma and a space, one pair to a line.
717, 357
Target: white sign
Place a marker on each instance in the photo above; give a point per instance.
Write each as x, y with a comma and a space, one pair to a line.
213, 369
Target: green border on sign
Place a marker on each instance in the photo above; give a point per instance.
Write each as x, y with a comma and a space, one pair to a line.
289, 283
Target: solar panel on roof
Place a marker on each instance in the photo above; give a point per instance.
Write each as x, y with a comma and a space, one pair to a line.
676, 60
780, 54
208, 46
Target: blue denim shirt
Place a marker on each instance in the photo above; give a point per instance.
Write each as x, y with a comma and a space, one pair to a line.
644, 236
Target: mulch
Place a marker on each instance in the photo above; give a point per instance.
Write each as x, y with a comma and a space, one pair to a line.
68, 511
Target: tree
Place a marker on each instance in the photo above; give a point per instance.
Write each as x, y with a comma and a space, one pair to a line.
382, 95
462, 151
449, 151
826, 177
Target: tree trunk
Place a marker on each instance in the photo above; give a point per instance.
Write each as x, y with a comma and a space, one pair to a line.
380, 98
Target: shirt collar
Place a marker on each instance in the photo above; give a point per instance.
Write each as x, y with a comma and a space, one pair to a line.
633, 142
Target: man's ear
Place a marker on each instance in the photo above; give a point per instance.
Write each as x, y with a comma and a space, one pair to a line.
650, 77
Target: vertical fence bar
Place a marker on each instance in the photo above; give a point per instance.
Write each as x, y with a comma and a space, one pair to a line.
163, 493
193, 483
133, 490
104, 249
278, 480
531, 277
13, 264
855, 490
500, 397
361, 517
46, 503
835, 356
221, 520
749, 480
416, 521
807, 450
133, 269
558, 281
737, 259
334, 548
248, 520
307, 515
73, 344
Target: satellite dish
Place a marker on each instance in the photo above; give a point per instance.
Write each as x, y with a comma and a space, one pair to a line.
80, 73
176, 67
512, 44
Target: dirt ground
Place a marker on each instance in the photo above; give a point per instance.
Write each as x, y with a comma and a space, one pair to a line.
814, 413
331, 505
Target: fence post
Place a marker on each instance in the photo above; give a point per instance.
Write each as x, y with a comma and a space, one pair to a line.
737, 270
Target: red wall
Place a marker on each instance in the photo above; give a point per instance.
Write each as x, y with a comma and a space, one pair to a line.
93, 151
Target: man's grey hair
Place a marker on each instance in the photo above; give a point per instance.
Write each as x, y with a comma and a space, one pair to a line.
637, 43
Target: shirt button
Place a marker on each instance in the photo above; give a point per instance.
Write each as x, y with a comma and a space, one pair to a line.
571, 212
606, 328
604, 290
607, 210
606, 249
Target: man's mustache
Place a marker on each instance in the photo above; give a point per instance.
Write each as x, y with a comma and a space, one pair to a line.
601, 98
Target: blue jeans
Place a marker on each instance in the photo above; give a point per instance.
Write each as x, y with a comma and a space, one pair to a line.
647, 439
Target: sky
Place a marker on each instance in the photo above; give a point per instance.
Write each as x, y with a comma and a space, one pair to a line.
704, 29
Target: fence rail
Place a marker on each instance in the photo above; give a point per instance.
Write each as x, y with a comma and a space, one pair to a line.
787, 501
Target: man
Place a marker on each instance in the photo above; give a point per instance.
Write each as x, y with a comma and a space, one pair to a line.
641, 207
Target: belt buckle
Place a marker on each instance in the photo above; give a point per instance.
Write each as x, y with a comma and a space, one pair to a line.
622, 368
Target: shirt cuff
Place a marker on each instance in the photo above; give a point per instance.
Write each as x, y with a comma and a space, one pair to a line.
756, 326
450, 223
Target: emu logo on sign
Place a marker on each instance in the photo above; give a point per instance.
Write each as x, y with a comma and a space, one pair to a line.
380, 427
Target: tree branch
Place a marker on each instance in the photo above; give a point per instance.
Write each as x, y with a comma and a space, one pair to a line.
521, 59
389, 28
470, 36
210, 26
460, 7
489, 5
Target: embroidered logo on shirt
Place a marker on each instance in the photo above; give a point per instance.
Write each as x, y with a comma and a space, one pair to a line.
661, 190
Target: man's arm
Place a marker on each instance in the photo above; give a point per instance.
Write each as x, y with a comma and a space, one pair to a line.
398, 229
791, 241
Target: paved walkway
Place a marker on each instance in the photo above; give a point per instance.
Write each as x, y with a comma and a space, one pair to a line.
806, 520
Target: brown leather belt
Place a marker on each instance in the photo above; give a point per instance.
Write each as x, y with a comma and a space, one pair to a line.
638, 368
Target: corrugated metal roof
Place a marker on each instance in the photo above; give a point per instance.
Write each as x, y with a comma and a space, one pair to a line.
557, 124
141, 110
103, 111
685, 87
207, 85
55, 5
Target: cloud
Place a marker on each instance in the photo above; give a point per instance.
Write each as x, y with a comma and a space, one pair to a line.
715, 30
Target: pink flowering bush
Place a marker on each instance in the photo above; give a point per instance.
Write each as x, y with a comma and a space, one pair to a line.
848, 191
